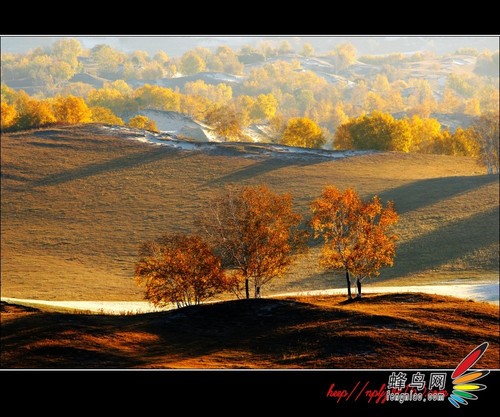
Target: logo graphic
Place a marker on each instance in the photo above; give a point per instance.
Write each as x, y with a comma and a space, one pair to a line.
464, 382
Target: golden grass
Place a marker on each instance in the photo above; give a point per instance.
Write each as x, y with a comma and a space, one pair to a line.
77, 202
380, 331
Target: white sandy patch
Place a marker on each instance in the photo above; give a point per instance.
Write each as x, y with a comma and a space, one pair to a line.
478, 292
104, 307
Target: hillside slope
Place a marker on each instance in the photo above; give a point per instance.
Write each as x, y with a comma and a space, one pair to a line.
381, 331
78, 201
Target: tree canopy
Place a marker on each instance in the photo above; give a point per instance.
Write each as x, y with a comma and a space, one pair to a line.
255, 232
180, 269
303, 132
358, 236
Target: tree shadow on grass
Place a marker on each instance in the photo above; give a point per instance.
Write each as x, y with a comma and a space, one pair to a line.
263, 167
427, 192
265, 330
445, 244
116, 164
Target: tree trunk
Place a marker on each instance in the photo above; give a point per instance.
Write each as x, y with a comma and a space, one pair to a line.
247, 289
358, 283
349, 296
257, 291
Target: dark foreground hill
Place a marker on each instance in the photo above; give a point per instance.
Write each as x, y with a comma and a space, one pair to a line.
381, 331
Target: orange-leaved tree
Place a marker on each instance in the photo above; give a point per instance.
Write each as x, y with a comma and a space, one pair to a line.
71, 110
180, 269
8, 115
256, 232
142, 122
303, 132
358, 236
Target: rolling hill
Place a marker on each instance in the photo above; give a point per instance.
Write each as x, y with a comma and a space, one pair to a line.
381, 331
78, 201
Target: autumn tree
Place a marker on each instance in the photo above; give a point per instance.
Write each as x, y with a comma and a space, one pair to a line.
245, 105
180, 269
264, 107
486, 130
460, 143
358, 236
307, 50
108, 60
338, 115
374, 131
32, 113
220, 93
303, 132
285, 48
121, 86
225, 120
472, 107
267, 49
71, 110
380, 131
162, 58
425, 132
104, 115
8, 114
142, 122
8, 95
155, 97
194, 106
229, 60
487, 64
256, 233
345, 55
151, 71
192, 63
450, 102
342, 139
113, 99
67, 50
277, 126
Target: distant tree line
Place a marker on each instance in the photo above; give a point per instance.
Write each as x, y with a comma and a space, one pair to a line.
278, 82
381, 131
374, 131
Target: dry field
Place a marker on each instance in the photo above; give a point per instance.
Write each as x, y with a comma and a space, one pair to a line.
76, 203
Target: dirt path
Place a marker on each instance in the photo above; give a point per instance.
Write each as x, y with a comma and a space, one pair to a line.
478, 292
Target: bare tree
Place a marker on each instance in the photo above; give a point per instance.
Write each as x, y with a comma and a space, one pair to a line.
486, 130
255, 232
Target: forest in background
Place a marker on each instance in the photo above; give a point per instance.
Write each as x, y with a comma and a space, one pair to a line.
417, 102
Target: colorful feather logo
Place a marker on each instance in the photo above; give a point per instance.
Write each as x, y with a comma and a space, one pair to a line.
464, 383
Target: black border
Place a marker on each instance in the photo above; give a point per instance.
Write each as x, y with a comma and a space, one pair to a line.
229, 392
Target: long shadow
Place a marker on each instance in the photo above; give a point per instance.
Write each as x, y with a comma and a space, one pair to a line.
423, 193
264, 327
263, 167
24, 342
41, 340
446, 244
116, 164
246, 325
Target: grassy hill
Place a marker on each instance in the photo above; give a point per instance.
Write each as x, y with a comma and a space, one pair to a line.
381, 331
78, 201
